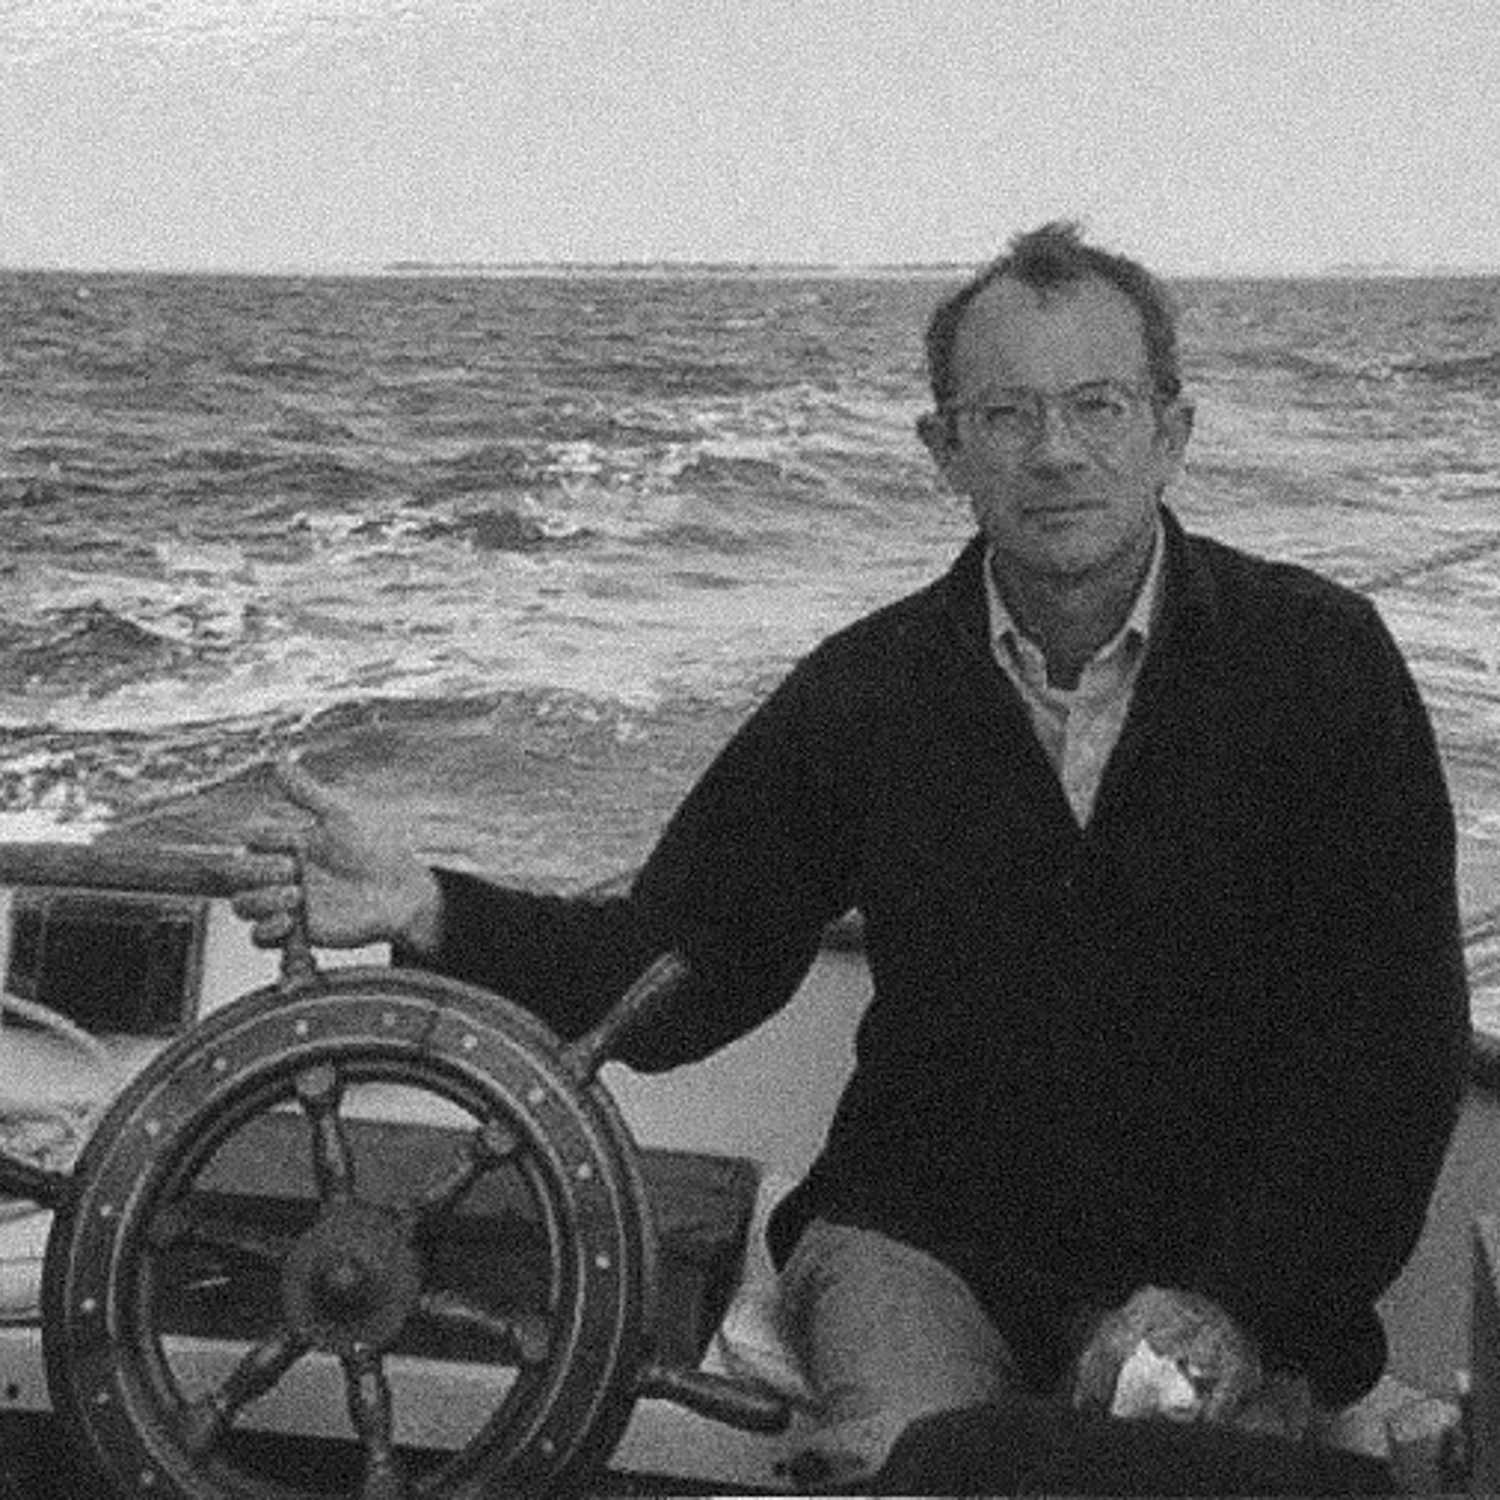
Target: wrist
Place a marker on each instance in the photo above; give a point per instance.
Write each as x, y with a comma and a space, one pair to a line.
420, 932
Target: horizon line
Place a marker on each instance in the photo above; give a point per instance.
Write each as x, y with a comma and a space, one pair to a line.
693, 265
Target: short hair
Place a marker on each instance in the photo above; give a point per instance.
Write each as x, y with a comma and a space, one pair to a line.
1056, 255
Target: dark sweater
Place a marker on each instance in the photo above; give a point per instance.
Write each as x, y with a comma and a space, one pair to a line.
1215, 1040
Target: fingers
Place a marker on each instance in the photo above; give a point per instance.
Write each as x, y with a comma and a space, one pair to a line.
266, 835
1239, 1375
272, 932
256, 903
270, 892
259, 866
1180, 1327
1094, 1377
271, 896
1097, 1367
271, 911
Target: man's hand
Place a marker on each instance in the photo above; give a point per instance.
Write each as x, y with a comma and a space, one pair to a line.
361, 884
1215, 1353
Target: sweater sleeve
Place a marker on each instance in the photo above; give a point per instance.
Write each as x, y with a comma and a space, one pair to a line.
1352, 1125
752, 866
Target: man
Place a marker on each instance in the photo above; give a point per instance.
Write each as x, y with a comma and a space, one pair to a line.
1156, 865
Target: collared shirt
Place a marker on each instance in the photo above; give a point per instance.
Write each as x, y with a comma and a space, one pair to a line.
1078, 727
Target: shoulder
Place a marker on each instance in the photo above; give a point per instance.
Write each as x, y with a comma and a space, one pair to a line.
883, 652
1259, 591
861, 684
1296, 641
910, 629
1283, 610
905, 624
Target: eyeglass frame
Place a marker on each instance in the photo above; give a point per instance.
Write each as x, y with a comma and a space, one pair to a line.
1043, 401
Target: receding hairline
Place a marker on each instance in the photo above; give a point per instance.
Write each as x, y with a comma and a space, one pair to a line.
1046, 293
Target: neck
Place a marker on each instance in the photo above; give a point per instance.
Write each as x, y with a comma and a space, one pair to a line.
1070, 616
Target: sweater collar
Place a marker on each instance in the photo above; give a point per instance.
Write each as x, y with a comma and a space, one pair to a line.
1189, 596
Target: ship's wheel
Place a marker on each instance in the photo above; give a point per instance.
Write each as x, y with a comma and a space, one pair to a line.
185, 1337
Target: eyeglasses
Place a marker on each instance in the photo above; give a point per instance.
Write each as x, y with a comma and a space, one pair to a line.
1098, 412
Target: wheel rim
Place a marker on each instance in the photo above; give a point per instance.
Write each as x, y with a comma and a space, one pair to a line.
353, 1280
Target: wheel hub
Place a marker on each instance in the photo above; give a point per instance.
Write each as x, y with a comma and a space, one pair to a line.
352, 1280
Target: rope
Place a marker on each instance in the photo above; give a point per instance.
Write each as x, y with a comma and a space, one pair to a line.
1445, 557
1483, 932
45, 1132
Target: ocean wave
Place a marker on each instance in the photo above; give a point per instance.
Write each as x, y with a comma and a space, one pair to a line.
507, 529
317, 474
544, 784
292, 366
1312, 367
89, 647
684, 538
521, 527
718, 469
485, 467
238, 458
36, 493
1479, 371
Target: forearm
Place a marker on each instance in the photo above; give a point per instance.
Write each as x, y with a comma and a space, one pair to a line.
569, 959
750, 868
1360, 1089
1353, 1121
565, 959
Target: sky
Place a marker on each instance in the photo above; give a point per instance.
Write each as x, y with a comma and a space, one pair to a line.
1204, 136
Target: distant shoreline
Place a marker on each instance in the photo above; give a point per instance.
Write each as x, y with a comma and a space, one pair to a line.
686, 270
1341, 271
749, 269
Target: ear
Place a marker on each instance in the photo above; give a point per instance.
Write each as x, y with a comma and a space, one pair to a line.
936, 432
1174, 427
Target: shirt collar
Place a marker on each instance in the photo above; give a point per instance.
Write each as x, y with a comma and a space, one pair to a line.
1006, 636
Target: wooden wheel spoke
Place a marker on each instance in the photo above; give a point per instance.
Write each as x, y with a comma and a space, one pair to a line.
527, 1338
319, 1090
370, 1410
642, 1006
208, 1418
753, 1408
490, 1146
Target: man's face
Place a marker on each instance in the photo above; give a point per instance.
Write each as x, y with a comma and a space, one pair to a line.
1062, 488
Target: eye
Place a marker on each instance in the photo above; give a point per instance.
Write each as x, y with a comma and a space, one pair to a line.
1005, 409
1098, 403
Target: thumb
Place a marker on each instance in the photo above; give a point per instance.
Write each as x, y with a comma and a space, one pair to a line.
304, 790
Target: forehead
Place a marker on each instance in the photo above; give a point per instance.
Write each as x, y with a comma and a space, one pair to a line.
1049, 337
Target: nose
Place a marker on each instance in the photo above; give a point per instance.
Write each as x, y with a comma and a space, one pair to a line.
1054, 445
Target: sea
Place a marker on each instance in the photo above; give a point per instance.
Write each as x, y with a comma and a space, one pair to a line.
508, 556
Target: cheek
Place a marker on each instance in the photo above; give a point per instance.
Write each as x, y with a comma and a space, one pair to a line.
1146, 467
973, 473
988, 492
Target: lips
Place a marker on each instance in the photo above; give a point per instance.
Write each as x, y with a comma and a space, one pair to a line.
1060, 508
1058, 497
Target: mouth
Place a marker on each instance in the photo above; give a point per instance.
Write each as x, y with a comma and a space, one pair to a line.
1060, 509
